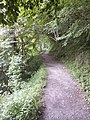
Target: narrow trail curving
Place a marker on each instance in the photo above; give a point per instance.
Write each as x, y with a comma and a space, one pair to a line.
62, 96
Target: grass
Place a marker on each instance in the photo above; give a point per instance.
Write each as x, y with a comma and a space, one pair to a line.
78, 62
24, 104
82, 74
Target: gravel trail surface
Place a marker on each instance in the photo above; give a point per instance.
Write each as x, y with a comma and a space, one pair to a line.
63, 98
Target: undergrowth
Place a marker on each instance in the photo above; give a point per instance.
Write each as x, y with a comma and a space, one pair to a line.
82, 74
75, 54
79, 66
24, 104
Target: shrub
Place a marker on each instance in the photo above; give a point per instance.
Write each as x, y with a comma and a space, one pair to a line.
34, 64
24, 104
14, 72
20, 70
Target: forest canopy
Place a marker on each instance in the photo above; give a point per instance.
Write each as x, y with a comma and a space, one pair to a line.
33, 26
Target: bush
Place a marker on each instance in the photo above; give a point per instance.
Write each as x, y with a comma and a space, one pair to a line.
24, 104
32, 64
14, 72
20, 70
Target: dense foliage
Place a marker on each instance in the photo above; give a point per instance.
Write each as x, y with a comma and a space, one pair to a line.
31, 27
24, 103
72, 44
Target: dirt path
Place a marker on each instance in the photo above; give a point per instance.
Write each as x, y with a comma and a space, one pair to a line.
62, 96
